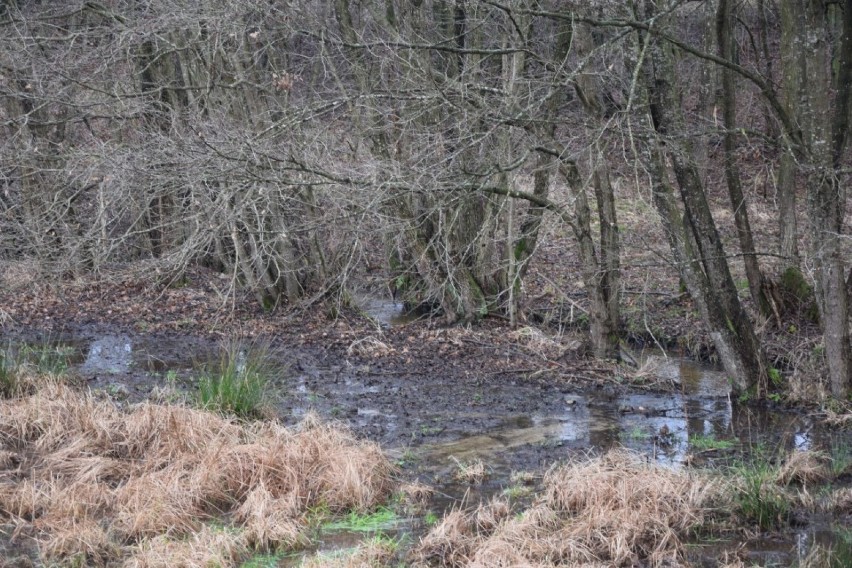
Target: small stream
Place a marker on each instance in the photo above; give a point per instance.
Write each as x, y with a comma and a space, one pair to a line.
511, 425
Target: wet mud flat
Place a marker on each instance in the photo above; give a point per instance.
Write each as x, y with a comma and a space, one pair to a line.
434, 418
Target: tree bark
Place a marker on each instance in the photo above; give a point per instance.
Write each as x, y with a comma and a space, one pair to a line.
605, 274
724, 26
791, 80
827, 123
727, 322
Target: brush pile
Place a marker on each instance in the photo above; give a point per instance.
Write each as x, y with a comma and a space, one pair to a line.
616, 510
164, 485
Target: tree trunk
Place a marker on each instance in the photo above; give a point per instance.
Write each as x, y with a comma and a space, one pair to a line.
827, 139
727, 322
605, 276
603, 333
791, 65
724, 25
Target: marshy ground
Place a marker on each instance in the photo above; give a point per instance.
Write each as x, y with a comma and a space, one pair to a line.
658, 466
500, 446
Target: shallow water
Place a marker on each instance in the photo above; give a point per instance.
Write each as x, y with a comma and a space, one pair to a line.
432, 425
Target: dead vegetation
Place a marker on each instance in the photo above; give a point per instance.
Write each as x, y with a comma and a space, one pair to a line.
613, 510
164, 485
804, 467
375, 552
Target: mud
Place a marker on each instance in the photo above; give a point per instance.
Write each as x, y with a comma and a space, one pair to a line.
438, 409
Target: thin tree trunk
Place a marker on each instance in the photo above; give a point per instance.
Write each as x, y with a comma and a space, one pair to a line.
724, 23
608, 280
603, 333
791, 65
728, 323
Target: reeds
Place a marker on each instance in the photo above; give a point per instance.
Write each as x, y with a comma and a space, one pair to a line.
613, 510
148, 485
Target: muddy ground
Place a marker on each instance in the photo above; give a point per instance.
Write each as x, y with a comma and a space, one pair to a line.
435, 397
521, 399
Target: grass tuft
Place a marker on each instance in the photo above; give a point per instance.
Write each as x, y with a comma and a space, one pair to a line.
378, 520
703, 443
613, 510
758, 498
473, 472
239, 382
22, 368
804, 468
375, 552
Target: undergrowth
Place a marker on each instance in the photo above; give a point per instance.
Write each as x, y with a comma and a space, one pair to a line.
17, 363
701, 442
380, 519
759, 500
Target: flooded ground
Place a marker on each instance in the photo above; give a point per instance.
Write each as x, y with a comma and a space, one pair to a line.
433, 422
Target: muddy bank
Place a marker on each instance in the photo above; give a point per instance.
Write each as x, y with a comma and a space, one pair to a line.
470, 399
438, 399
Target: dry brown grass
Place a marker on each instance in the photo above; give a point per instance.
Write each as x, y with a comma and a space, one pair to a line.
839, 502
157, 476
207, 547
369, 347
804, 467
543, 345
375, 553
416, 493
473, 472
613, 510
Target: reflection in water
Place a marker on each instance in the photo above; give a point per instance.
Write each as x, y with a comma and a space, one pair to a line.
661, 426
109, 354
693, 378
388, 313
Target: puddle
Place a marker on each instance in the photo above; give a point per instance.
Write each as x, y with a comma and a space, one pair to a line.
388, 312
433, 422
109, 354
